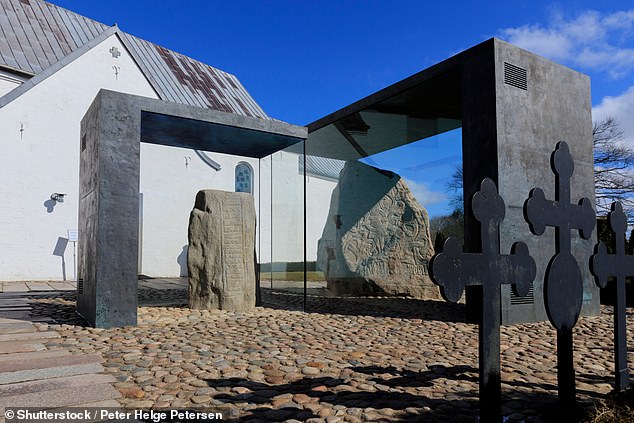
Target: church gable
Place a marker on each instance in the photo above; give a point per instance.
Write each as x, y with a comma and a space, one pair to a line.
39, 38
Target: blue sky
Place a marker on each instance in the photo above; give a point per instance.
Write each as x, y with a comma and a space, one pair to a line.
301, 60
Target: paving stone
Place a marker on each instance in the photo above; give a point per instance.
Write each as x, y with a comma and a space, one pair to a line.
22, 301
100, 404
47, 362
14, 287
388, 359
8, 347
17, 315
13, 326
7, 320
38, 286
62, 397
6, 311
32, 355
62, 286
29, 335
54, 372
53, 384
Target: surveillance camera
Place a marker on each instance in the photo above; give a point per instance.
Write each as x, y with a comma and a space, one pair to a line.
58, 197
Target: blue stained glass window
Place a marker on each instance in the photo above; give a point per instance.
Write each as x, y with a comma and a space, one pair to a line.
244, 178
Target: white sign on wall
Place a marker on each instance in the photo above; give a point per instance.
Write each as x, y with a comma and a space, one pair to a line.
73, 235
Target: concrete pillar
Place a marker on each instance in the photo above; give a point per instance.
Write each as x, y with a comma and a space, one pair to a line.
516, 106
109, 213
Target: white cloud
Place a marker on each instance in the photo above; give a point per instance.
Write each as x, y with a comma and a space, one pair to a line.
621, 108
424, 195
591, 40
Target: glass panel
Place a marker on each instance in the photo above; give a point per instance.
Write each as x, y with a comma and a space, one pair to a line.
265, 223
379, 193
282, 269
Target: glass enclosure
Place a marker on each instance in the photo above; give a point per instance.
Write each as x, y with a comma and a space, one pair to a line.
359, 209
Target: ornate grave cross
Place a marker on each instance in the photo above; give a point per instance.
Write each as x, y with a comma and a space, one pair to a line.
619, 265
563, 287
453, 270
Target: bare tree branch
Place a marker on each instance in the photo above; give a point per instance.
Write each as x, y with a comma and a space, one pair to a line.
455, 185
613, 168
613, 171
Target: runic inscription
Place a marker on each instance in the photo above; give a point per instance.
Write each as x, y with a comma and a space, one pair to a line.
232, 238
454, 269
619, 265
220, 255
563, 287
376, 239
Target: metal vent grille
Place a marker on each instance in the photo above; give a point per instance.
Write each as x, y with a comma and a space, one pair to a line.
515, 76
526, 299
83, 143
80, 285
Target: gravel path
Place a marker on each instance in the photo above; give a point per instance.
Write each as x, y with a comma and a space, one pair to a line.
347, 359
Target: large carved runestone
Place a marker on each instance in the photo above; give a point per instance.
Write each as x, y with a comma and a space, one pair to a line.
376, 239
221, 254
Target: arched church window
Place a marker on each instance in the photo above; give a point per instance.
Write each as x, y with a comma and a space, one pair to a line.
244, 178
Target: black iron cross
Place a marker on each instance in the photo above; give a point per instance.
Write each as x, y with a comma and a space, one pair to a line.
563, 287
619, 265
453, 269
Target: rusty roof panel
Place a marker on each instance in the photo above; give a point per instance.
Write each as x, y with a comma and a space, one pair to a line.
182, 79
5, 51
12, 41
53, 16
35, 34
56, 26
41, 32
29, 42
21, 37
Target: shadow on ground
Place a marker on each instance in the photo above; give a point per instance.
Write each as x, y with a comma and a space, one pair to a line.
390, 403
59, 306
409, 394
48, 306
407, 308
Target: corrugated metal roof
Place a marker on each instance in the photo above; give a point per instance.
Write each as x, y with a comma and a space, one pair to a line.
35, 35
321, 166
181, 79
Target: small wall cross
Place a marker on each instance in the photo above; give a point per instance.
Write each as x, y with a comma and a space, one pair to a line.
453, 269
563, 287
619, 265
115, 52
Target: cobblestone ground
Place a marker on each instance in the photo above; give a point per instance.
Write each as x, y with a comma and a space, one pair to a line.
347, 359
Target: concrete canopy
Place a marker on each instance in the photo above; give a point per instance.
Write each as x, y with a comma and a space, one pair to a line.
111, 133
415, 108
205, 129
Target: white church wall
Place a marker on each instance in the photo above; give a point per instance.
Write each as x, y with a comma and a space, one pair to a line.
263, 210
39, 155
287, 243
288, 210
166, 210
318, 196
170, 179
43, 159
288, 205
